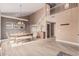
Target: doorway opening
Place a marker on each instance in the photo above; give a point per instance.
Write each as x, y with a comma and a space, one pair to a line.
50, 29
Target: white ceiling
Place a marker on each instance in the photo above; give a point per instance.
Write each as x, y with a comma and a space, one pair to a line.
14, 9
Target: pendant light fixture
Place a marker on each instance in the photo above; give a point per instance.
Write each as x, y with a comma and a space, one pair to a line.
20, 12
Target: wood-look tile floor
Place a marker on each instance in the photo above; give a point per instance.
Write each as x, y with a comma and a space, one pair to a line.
42, 47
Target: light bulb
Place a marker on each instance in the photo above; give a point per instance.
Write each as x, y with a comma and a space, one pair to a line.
19, 22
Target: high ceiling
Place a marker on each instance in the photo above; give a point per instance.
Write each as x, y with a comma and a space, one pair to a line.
53, 4
17, 9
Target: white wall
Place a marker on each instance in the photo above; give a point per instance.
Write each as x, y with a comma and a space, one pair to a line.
39, 18
67, 32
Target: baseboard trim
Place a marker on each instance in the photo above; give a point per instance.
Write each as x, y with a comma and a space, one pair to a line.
67, 42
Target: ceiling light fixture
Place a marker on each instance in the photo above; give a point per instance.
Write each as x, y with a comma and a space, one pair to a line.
14, 18
17, 18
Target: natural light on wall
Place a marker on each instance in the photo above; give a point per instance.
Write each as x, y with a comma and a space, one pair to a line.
66, 6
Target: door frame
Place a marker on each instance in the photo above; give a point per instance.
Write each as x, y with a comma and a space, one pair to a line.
50, 29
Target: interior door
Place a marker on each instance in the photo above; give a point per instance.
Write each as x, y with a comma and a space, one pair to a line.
50, 30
